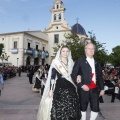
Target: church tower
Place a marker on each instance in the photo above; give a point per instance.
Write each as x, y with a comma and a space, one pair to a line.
57, 18
57, 27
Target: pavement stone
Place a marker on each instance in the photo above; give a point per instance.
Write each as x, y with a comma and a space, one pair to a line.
19, 102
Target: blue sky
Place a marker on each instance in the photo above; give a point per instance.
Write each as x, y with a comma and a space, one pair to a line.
101, 16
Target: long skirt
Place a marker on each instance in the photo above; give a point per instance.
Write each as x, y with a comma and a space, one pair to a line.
37, 83
65, 105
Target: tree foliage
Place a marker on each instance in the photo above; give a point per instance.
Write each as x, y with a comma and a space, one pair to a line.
115, 56
100, 51
75, 45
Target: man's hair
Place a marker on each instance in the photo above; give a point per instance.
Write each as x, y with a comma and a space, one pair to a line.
90, 43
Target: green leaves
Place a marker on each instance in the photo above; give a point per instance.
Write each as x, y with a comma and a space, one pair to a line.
76, 46
115, 56
100, 52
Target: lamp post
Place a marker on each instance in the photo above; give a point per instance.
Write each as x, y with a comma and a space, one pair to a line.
17, 61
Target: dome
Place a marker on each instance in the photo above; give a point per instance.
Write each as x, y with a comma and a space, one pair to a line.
78, 29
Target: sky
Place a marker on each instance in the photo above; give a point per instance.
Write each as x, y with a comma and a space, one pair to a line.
102, 17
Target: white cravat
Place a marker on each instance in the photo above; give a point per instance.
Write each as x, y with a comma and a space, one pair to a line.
91, 62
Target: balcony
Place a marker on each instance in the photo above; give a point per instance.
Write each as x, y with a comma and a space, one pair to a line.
35, 53
40, 53
14, 50
28, 51
47, 54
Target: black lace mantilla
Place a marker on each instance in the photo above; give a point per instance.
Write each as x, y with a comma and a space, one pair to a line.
65, 104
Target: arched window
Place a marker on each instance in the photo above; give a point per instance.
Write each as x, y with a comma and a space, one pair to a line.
59, 16
57, 6
55, 17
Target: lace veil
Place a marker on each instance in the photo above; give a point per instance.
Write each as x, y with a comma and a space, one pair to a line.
42, 112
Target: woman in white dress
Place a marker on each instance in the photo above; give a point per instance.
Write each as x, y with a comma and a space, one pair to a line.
60, 99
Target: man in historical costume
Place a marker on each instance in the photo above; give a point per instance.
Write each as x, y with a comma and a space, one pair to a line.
19, 71
91, 81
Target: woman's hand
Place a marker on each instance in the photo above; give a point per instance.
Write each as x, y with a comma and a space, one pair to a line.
85, 88
78, 79
50, 93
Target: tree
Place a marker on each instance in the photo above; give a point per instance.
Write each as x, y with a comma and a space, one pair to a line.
100, 51
115, 56
3, 56
75, 44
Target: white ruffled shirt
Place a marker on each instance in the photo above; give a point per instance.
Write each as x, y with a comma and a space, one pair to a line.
91, 62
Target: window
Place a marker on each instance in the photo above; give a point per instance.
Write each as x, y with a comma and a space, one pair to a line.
55, 17
56, 38
36, 47
57, 6
28, 45
15, 44
59, 16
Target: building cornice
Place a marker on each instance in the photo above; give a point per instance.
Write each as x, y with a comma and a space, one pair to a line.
56, 31
24, 33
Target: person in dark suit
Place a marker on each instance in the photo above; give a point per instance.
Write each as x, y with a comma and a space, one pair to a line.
19, 71
30, 74
90, 83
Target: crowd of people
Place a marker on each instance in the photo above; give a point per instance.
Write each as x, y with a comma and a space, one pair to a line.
111, 77
8, 71
67, 87
37, 76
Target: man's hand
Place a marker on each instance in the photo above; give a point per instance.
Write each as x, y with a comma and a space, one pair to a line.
102, 92
85, 88
78, 79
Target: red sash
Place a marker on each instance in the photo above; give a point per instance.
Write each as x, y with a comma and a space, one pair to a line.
92, 84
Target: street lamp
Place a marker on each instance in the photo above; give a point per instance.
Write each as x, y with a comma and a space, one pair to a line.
17, 61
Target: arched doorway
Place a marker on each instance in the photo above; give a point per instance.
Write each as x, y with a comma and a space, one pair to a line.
36, 61
28, 60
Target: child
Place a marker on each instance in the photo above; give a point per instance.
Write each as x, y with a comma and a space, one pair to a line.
1, 82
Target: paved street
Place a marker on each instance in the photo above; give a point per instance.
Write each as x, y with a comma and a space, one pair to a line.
19, 102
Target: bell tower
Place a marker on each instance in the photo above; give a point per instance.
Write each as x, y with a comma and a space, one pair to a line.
57, 27
58, 11
57, 18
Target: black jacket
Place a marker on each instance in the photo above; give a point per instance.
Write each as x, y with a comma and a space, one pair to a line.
82, 68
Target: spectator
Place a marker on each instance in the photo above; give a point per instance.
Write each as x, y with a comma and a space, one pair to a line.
1, 82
